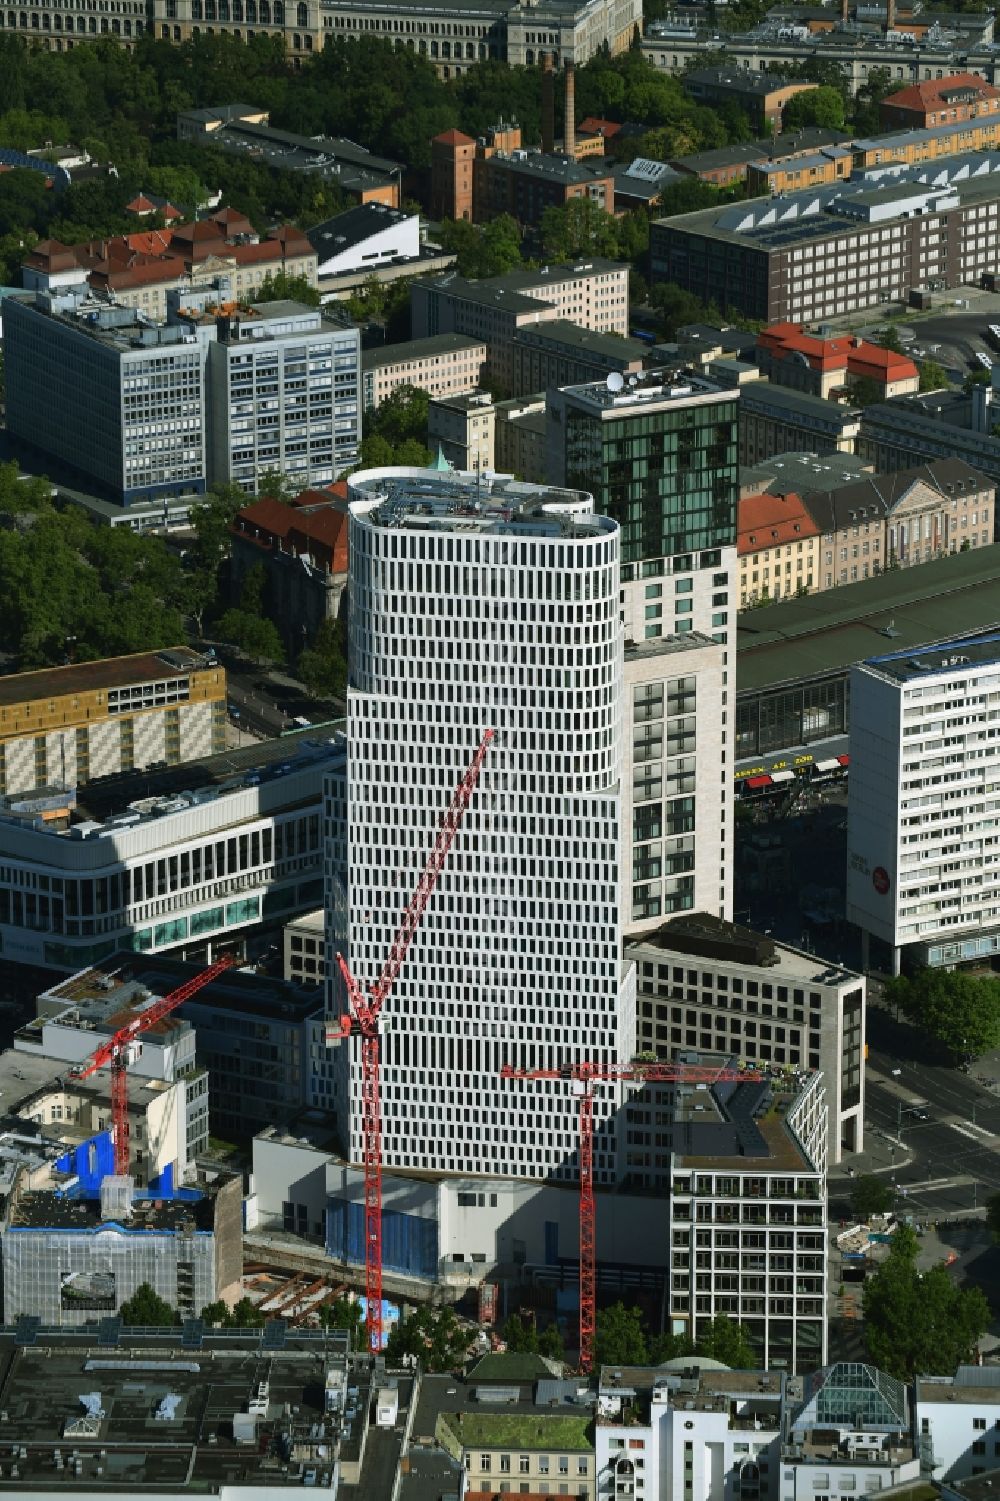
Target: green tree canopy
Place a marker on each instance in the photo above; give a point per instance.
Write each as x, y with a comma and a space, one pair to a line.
869, 1195
322, 667
959, 1010
933, 376
434, 1336
619, 1336
822, 107
726, 1340
520, 1335
147, 1309
919, 1322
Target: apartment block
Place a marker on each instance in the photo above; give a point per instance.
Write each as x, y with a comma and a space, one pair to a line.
708, 984
140, 270
179, 861
442, 365
593, 294
958, 1426
776, 420
519, 437
461, 429
921, 837
516, 895
957, 98
676, 782
779, 548
829, 367
842, 248
65, 726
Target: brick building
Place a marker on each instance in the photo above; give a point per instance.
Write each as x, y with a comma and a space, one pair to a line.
761, 96
940, 101
790, 356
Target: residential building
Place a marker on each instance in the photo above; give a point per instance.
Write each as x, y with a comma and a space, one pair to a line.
731, 164
776, 420
921, 872
140, 270
425, 706
955, 98
364, 238
519, 437
790, 356
461, 428
512, 31
285, 395
302, 546
810, 170
561, 353
957, 1418
900, 519
526, 183
305, 949
708, 984
841, 248
184, 1406
927, 143
357, 173
442, 365
747, 1195
593, 294
66, 726
795, 658
761, 96
779, 547
677, 812
181, 858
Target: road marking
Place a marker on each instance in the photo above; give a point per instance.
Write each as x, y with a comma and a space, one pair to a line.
967, 1129
919, 1188
982, 1131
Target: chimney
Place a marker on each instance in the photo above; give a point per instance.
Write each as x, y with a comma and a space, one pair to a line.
844, 12
569, 124
548, 105
890, 15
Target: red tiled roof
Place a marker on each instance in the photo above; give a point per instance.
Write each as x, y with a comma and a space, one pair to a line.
930, 94
454, 138
880, 364
772, 520
593, 126
316, 522
856, 356
268, 516
140, 205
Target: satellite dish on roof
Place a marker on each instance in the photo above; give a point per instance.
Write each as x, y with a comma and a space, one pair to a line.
615, 382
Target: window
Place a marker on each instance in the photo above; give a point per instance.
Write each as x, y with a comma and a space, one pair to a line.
524, 1464
484, 1464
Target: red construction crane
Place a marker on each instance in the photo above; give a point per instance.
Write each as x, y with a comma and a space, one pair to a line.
583, 1077
118, 1052
364, 1014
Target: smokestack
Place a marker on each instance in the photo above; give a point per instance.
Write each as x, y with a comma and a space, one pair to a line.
844, 12
890, 15
548, 104
569, 124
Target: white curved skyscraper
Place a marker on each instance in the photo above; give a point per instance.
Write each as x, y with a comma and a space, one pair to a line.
475, 606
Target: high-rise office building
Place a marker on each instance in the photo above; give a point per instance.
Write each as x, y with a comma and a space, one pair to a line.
474, 605
661, 458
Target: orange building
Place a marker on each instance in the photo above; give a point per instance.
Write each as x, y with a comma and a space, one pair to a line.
452, 157
941, 101
790, 357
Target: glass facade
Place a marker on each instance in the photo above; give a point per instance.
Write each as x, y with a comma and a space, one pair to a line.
850, 1395
770, 720
667, 476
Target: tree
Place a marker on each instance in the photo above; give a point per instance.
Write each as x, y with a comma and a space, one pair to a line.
550, 1343
520, 1335
619, 1337
869, 1196
147, 1309
579, 227
976, 378
323, 666
279, 287
726, 1340
343, 1313
866, 392
933, 376
256, 637
960, 1011
919, 1322
434, 1337
822, 107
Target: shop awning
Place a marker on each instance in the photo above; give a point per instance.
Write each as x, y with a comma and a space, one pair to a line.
844, 760
832, 765
782, 776
756, 783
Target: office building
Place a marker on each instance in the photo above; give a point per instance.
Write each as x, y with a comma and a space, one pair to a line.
760, 96
775, 420
561, 353
593, 294
519, 437
185, 1432
285, 395
176, 858
839, 249
460, 429
857, 1422
957, 1418
935, 425
65, 726
677, 812
442, 365
302, 547
789, 356
242, 130
779, 547
747, 1194
304, 949
140, 270
707, 984
447, 635
957, 98
921, 839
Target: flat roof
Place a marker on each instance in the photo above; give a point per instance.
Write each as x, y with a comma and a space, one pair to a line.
418, 349
825, 633
915, 666
640, 392
425, 501
805, 473
565, 332
108, 672
532, 1429
750, 952
764, 394
516, 284
44, 1209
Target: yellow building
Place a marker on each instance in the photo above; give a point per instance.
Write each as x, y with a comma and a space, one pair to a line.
64, 726
778, 543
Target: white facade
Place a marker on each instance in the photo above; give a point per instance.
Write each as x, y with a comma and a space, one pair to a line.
462, 427
922, 839
393, 236
958, 1422
476, 607
677, 803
